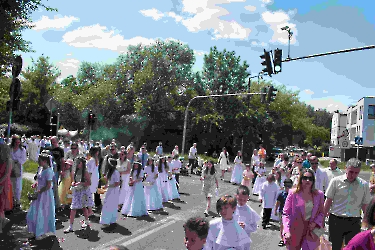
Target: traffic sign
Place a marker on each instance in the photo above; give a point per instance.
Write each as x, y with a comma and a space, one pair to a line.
358, 140
345, 143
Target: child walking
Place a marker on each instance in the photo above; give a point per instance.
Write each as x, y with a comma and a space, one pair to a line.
209, 178
267, 197
246, 217
247, 176
82, 197
225, 232
153, 197
281, 198
109, 211
260, 179
135, 206
237, 170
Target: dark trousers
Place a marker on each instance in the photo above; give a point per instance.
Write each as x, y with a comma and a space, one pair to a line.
342, 228
191, 165
266, 216
177, 176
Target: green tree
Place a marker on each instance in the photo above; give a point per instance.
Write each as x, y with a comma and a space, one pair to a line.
15, 16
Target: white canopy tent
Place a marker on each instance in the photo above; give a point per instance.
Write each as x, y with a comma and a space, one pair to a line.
65, 132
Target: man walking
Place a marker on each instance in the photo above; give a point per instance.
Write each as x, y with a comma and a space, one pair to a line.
346, 196
192, 157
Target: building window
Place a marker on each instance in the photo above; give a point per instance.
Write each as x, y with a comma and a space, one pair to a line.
371, 112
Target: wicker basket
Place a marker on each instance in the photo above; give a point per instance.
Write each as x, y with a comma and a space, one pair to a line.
101, 191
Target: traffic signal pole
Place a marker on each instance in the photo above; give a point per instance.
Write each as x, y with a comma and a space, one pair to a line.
207, 96
330, 53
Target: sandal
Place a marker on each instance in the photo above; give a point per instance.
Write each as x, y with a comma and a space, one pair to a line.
281, 243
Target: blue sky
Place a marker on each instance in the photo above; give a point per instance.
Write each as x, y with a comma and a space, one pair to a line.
97, 31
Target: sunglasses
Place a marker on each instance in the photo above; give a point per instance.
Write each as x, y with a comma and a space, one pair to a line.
299, 162
305, 178
313, 163
73, 148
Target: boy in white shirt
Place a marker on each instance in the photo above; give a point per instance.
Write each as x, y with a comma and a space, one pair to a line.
267, 197
176, 167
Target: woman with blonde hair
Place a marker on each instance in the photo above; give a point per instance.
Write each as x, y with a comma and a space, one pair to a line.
303, 214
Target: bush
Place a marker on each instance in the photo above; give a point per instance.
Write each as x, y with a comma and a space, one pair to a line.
30, 166
341, 165
315, 152
26, 188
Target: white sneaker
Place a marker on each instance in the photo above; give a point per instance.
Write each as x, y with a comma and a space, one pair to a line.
84, 225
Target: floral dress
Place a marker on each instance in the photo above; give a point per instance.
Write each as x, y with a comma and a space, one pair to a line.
82, 196
209, 183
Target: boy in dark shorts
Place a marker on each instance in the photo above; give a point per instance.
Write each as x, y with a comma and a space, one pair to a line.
280, 201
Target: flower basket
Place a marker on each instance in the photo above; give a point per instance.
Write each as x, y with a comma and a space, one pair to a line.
101, 190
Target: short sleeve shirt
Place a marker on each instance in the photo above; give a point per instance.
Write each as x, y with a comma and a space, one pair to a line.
348, 197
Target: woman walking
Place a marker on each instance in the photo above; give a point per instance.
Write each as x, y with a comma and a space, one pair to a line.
303, 214
209, 178
153, 197
41, 214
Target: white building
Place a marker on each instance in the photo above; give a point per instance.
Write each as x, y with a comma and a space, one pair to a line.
361, 121
338, 126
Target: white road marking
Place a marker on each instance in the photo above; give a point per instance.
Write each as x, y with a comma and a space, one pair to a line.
170, 220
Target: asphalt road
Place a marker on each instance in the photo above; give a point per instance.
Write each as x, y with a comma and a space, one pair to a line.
159, 231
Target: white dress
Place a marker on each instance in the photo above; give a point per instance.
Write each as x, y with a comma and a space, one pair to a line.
93, 169
223, 161
259, 180
121, 167
110, 206
152, 194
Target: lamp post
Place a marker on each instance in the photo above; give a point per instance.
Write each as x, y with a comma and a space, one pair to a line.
205, 96
290, 34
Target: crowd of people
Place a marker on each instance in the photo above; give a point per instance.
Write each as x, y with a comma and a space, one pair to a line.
112, 179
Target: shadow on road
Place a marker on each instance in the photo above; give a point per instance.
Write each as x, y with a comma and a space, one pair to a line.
171, 205
185, 194
147, 218
116, 228
88, 234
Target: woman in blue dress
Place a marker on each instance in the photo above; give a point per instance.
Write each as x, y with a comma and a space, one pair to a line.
41, 215
135, 206
110, 206
153, 197
237, 170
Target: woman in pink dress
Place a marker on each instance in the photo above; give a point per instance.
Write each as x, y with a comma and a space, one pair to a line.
247, 176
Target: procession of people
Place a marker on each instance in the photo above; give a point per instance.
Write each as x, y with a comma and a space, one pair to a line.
117, 181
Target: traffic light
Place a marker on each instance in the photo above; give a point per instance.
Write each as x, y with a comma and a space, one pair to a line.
263, 95
271, 94
277, 60
91, 118
267, 63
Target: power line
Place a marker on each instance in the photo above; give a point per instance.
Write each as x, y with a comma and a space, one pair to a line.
330, 53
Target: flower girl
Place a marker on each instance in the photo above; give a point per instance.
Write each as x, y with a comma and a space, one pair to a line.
135, 204
152, 195
109, 210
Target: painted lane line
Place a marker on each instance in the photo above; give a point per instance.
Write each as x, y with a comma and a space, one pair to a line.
180, 216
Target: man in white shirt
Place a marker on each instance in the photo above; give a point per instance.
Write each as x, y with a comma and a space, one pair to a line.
192, 157
333, 170
321, 178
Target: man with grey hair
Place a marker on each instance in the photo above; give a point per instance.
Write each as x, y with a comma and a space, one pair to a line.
346, 196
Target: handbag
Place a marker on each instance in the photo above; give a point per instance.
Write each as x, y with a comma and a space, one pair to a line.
16, 170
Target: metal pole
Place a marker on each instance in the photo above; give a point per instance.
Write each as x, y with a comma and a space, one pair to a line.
330, 53
10, 119
50, 121
57, 124
242, 145
357, 150
205, 96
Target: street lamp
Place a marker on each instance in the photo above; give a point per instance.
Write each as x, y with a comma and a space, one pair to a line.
290, 34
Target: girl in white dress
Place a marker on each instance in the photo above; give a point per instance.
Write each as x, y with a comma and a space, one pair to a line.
260, 179
152, 195
237, 169
255, 159
109, 210
124, 168
223, 162
163, 179
92, 168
